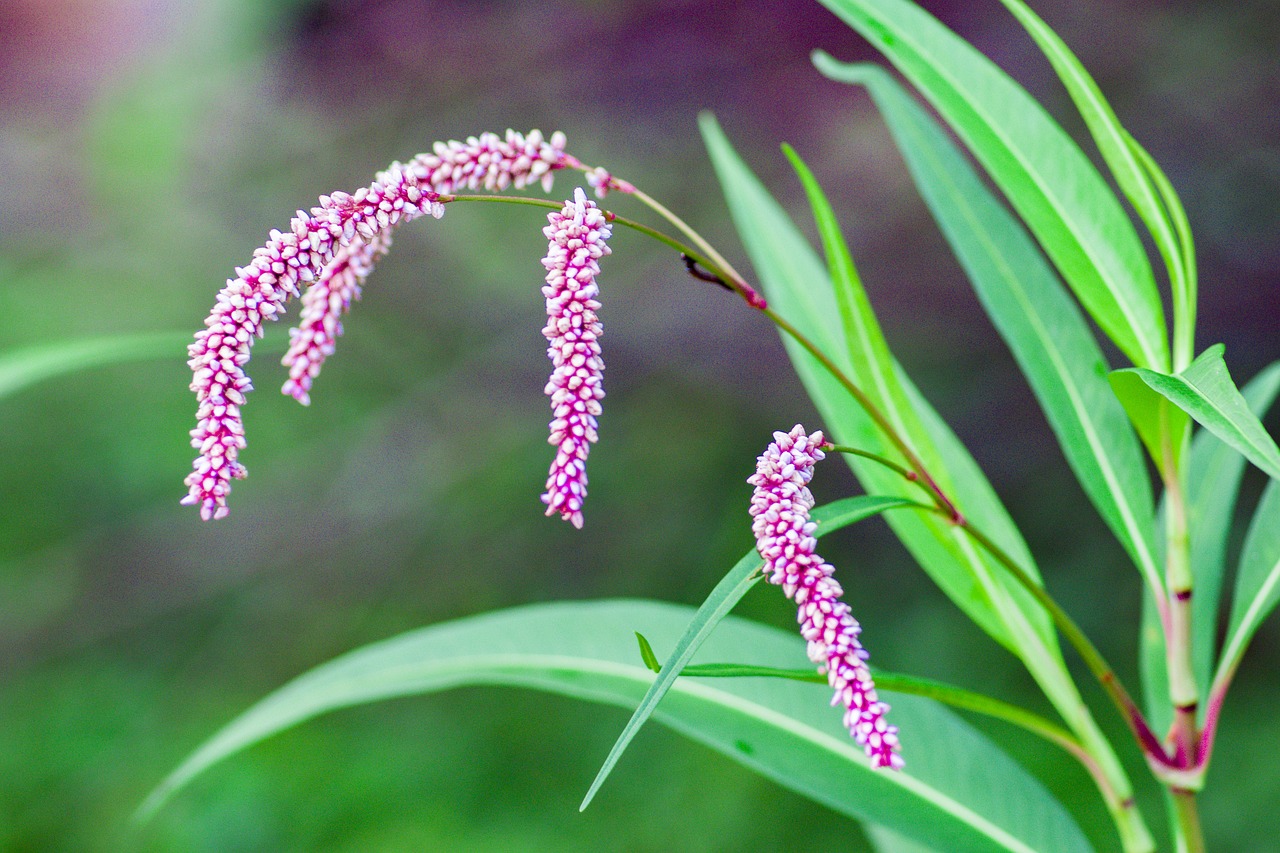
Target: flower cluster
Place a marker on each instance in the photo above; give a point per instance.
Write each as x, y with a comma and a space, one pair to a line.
260, 291
577, 235
780, 508
489, 162
335, 245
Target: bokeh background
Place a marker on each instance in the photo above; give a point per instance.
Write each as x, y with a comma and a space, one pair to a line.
147, 146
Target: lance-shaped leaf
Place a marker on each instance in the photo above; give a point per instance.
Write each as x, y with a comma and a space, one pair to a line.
1258, 583
1214, 472
1046, 177
799, 288
1205, 392
961, 793
1042, 326
1134, 170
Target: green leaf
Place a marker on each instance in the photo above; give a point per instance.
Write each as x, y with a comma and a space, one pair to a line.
1046, 177
887, 841
1205, 392
646, 654
1155, 418
1258, 582
958, 793
727, 593
22, 368
1132, 167
868, 350
1213, 484
1044, 329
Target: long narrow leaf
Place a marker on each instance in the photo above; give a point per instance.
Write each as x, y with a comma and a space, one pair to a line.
1046, 177
1258, 583
1213, 485
735, 584
1205, 392
958, 793
22, 368
1120, 152
1037, 319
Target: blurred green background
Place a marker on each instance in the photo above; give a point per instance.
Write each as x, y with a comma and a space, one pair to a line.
147, 146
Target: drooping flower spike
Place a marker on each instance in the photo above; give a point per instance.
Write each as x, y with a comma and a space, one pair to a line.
577, 236
780, 508
487, 162
334, 245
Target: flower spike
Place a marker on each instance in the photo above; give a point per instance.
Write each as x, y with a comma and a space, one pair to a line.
486, 162
780, 508
260, 291
577, 233
335, 245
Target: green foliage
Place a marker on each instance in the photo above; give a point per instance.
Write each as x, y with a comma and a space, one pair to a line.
961, 793
1046, 177
1043, 327
1205, 392
22, 368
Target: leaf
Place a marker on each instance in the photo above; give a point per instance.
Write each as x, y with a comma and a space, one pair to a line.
1258, 583
1155, 418
887, 841
959, 792
1046, 177
1205, 392
1127, 161
1037, 319
727, 593
22, 368
868, 350
1213, 484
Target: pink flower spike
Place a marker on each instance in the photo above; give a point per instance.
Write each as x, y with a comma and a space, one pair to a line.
488, 162
780, 508
577, 235
322, 304
260, 291
492, 162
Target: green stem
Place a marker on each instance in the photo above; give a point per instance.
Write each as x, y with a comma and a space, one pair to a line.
667, 240
1186, 814
1184, 734
873, 412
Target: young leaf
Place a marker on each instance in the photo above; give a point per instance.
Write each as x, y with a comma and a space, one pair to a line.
1046, 177
1213, 483
1205, 392
1258, 583
1154, 417
727, 593
1037, 319
1125, 158
21, 368
958, 793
